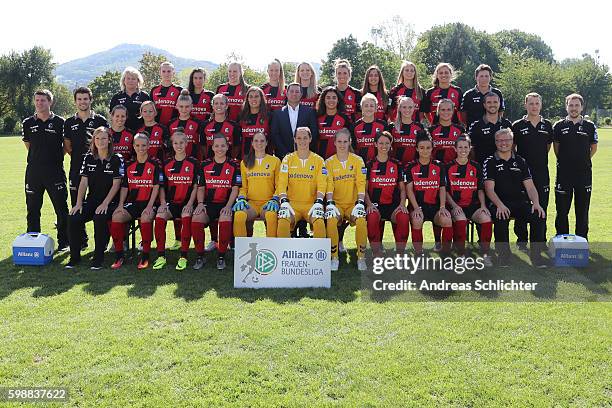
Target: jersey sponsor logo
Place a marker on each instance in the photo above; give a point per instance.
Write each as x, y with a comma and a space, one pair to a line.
323, 171
382, 180
364, 170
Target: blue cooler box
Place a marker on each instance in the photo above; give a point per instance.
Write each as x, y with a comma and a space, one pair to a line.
33, 248
569, 250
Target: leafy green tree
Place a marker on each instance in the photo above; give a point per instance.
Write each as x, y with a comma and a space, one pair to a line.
394, 35
524, 44
289, 69
103, 88
63, 100
149, 68
590, 79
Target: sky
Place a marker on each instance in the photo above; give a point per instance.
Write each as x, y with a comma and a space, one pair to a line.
288, 30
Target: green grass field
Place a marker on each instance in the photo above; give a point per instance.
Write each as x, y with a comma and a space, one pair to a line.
163, 338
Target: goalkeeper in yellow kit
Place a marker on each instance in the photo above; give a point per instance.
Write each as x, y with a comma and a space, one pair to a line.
257, 197
346, 184
302, 183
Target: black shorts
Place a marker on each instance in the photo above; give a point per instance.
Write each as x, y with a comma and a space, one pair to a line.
470, 210
386, 210
429, 211
136, 208
213, 210
176, 210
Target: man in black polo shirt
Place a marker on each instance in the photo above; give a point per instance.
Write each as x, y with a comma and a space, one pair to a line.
472, 105
482, 132
77, 138
511, 192
575, 143
43, 136
533, 136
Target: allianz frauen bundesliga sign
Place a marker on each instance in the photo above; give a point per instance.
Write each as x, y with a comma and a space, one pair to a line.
282, 263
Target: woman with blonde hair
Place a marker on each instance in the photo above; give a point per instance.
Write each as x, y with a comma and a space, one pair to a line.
275, 89
407, 85
351, 97
131, 96
443, 88
234, 90
305, 75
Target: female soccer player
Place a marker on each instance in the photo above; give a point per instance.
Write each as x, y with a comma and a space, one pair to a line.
234, 90
219, 122
302, 180
131, 96
404, 130
190, 127
426, 189
305, 76
139, 191
374, 83
407, 85
201, 98
176, 199
330, 119
257, 199
445, 132
254, 118
165, 94
345, 196
275, 89
386, 197
218, 186
101, 175
158, 134
121, 138
351, 97
442, 89
466, 198
366, 128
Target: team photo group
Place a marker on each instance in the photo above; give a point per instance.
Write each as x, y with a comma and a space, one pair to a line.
308, 160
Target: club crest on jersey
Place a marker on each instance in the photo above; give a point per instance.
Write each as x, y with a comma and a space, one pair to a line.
148, 171
351, 167
392, 170
190, 127
433, 172
156, 133
127, 139
471, 173
284, 168
267, 166
227, 171
187, 168
226, 130
50, 126
172, 93
338, 123
312, 167
349, 97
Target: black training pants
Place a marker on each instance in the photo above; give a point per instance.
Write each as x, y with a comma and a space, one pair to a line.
76, 224
520, 227
573, 184
520, 211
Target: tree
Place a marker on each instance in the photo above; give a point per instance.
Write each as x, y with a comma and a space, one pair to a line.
519, 76
63, 100
149, 68
361, 58
394, 35
103, 88
525, 45
590, 79
289, 69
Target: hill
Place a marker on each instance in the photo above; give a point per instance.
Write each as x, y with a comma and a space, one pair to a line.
81, 71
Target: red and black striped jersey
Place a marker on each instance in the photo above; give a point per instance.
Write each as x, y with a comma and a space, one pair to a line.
274, 99
464, 181
123, 144
401, 90
165, 98
404, 141
202, 105
192, 131
218, 180
352, 102
180, 177
140, 178
444, 138
253, 124
426, 181
328, 126
383, 180
230, 129
159, 138
363, 140
235, 99
312, 101
433, 95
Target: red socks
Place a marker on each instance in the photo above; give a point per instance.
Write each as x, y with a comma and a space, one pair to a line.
185, 234
225, 235
417, 239
374, 232
197, 232
146, 232
160, 234
117, 230
401, 230
447, 239
460, 235
486, 231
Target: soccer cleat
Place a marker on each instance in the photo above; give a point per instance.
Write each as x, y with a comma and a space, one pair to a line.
335, 264
181, 265
199, 263
143, 264
96, 266
118, 263
361, 265
538, 262
71, 264
160, 262
176, 246
63, 247
212, 246
341, 248
221, 263
486, 260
